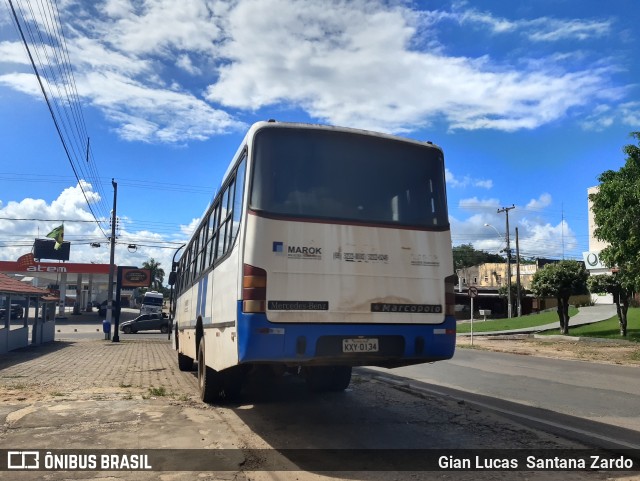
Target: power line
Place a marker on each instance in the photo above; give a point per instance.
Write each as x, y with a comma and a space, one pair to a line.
49, 57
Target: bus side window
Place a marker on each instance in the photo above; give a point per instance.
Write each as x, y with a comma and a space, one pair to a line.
230, 195
211, 237
237, 201
222, 224
202, 263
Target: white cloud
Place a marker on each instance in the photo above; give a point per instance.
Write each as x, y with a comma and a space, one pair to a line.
475, 203
551, 30
542, 29
13, 52
22, 82
604, 116
17, 236
185, 63
546, 240
630, 113
190, 228
466, 181
540, 203
361, 63
154, 114
340, 69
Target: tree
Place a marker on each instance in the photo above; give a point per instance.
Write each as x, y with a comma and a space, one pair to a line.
561, 280
612, 284
465, 255
616, 212
157, 273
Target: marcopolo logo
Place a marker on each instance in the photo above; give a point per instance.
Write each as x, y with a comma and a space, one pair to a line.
298, 252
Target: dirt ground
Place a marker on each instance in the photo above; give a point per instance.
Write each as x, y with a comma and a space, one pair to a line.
559, 347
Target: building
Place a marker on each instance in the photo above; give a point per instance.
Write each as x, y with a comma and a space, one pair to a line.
592, 258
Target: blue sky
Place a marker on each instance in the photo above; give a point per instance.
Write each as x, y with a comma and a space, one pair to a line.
530, 101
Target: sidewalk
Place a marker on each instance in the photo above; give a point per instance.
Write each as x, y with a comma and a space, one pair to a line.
587, 315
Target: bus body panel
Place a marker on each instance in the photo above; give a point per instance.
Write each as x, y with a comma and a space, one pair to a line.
221, 331
327, 273
185, 321
261, 341
212, 302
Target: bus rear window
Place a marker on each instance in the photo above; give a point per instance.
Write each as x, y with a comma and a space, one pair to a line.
324, 174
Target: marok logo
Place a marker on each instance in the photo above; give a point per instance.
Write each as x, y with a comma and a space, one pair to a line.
297, 252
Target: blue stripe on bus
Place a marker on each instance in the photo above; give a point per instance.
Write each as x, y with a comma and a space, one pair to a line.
262, 341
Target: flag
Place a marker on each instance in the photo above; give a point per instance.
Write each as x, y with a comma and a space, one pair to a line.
58, 235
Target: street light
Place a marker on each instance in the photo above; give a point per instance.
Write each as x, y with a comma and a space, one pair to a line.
508, 250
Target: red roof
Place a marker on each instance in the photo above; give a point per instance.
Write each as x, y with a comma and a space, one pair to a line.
9, 285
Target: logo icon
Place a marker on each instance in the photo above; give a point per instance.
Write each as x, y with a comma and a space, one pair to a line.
278, 247
23, 460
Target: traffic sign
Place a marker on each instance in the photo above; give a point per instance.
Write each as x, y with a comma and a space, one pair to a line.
473, 292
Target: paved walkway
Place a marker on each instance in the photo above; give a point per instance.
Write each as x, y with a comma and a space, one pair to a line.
130, 367
586, 315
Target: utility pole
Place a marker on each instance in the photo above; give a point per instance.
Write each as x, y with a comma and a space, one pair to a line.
506, 211
111, 260
519, 303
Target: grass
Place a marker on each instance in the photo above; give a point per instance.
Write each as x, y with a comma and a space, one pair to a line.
532, 320
609, 329
158, 391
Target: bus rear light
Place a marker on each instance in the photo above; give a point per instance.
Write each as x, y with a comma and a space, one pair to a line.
254, 289
450, 296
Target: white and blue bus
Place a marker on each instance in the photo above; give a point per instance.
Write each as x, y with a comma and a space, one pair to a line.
325, 248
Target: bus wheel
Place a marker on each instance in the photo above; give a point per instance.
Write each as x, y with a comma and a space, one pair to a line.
340, 378
185, 363
208, 379
232, 382
328, 378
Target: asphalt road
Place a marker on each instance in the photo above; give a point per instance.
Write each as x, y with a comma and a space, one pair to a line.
607, 395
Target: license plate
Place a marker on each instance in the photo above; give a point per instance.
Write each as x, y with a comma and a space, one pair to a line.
360, 345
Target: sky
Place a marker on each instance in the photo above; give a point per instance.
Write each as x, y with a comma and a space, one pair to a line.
530, 101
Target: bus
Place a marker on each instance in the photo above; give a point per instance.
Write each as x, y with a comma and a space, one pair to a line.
324, 248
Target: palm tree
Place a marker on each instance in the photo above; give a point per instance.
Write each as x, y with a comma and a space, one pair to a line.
157, 273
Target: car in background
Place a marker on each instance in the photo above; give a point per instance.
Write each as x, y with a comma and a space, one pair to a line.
146, 322
17, 311
102, 309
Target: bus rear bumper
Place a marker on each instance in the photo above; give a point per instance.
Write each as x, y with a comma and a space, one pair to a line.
390, 345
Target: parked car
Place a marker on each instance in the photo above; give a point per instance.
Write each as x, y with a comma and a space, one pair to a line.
146, 322
17, 311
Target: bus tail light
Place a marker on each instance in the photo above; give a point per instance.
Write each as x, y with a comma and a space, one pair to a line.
254, 289
450, 296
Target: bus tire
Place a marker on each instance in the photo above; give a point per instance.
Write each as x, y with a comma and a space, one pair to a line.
208, 379
328, 378
185, 363
232, 382
340, 378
